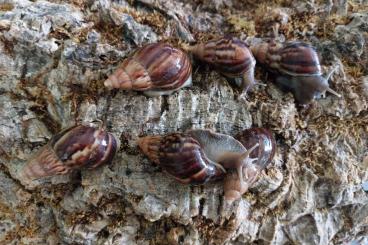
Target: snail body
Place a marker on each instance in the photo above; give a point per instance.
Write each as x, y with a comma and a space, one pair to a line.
156, 69
230, 57
198, 156
233, 187
297, 68
73, 148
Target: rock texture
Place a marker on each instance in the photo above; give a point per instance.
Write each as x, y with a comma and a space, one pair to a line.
54, 57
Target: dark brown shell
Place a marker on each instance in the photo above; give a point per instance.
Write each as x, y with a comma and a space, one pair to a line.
292, 58
199, 156
156, 68
230, 57
181, 156
73, 148
267, 144
297, 69
196, 156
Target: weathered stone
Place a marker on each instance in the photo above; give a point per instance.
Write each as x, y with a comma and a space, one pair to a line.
54, 58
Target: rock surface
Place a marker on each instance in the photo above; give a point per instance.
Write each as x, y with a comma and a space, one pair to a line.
54, 58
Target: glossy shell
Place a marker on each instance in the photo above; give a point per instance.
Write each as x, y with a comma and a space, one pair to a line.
195, 157
267, 144
293, 58
181, 156
73, 148
155, 68
230, 57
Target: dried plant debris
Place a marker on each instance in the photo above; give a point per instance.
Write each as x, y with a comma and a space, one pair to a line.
54, 58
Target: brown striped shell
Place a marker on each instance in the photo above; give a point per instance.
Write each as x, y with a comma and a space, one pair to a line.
156, 69
292, 58
262, 156
230, 57
296, 66
181, 156
198, 156
73, 148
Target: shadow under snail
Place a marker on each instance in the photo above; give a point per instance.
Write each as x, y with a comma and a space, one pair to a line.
297, 68
198, 156
156, 69
72, 148
229, 56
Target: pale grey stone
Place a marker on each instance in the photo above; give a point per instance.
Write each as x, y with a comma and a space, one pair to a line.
54, 58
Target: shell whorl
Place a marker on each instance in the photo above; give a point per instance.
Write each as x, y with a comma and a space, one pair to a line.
291, 58
156, 66
75, 147
181, 156
229, 56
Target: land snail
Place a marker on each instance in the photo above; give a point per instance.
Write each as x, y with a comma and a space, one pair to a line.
230, 57
76, 147
264, 154
156, 69
297, 68
199, 156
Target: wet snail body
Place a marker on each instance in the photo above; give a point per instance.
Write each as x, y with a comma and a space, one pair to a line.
263, 154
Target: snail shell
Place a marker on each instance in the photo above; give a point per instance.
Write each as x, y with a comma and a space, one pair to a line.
230, 57
297, 68
73, 148
182, 156
198, 156
259, 159
267, 144
157, 69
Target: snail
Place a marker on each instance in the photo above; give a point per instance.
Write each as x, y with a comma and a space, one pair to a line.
297, 68
157, 69
198, 156
73, 148
230, 57
264, 154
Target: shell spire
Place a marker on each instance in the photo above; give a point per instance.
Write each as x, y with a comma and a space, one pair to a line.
229, 56
180, 156
156, 69
73, 148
